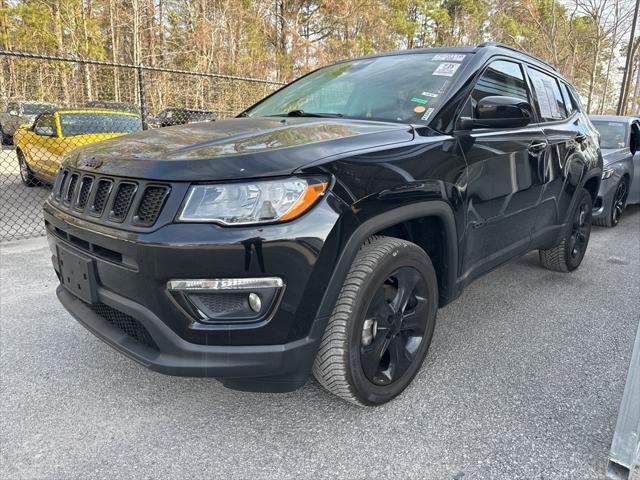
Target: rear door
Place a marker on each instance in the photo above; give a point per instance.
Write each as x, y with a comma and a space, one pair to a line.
504, 181
568, 134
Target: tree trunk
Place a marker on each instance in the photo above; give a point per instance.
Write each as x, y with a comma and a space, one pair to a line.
114, 50
636, 92
88, 87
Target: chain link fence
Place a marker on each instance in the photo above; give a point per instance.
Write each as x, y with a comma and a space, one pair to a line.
50, 105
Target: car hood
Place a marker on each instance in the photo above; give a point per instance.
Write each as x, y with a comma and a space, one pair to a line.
235, 148
613, 155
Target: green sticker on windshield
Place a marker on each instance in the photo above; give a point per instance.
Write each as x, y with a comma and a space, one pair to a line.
421, 101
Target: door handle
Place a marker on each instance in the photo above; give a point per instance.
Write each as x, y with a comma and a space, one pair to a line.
538, 146
581, 137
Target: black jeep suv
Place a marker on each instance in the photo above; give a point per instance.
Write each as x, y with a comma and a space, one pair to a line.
321, 229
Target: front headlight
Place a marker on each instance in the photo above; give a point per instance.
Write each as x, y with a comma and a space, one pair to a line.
253, 202
607, 172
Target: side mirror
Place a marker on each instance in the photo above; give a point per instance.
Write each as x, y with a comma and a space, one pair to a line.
499, 112
13, 113
44, 131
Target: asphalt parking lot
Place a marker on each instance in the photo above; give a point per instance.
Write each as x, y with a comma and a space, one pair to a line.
523, 380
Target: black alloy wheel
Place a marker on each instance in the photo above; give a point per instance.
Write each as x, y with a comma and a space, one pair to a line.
580, 232
381, 327
394, 326
619, 201
567, 255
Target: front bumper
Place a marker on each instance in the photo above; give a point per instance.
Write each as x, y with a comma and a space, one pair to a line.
132, 271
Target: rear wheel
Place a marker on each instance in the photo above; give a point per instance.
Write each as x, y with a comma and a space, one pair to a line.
618, 204
27, 176
382, 324
568, 254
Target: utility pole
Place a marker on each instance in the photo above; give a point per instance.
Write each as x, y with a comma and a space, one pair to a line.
628, 69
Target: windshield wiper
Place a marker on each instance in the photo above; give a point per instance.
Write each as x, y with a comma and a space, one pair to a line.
302, 113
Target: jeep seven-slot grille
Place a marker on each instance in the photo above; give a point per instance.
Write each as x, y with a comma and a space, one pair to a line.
122, 201
109, 198
152, 201
83, 195
71, 188
102, 194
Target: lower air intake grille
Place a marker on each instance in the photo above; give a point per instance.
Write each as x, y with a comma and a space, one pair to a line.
126, 323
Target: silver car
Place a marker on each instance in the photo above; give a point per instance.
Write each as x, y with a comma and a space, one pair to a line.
620, 144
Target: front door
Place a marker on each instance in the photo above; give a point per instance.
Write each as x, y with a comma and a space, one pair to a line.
44, 147
505, 176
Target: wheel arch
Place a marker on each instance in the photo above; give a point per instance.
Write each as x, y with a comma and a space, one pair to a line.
417, 217
592, 185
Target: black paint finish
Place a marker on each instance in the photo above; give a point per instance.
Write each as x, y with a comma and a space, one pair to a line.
472, 198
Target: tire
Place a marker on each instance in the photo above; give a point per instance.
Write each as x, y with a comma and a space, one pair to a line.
365, 358
618, 204
568, 254
5, 138
26, 175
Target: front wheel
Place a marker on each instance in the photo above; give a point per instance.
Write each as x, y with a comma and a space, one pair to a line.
5, 138
382, 324
568, 254
26, 175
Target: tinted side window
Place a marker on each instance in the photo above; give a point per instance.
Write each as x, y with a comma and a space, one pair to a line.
569, 103
635, 137
501, 78
46, 121
547, 93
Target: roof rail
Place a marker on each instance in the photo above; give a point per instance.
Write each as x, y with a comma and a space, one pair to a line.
514, 49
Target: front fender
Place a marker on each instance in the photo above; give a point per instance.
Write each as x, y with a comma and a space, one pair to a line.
363, 223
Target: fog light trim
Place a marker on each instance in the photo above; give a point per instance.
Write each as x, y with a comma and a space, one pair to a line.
215, 284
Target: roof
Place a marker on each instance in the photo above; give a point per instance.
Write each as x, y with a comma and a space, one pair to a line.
483, 47
91, 110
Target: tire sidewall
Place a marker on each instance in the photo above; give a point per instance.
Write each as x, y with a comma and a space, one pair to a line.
407, 255
574, 263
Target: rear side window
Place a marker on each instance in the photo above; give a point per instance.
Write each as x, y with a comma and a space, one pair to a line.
548, 95
569, 102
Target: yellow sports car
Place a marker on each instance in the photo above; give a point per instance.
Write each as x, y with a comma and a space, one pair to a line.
42, 146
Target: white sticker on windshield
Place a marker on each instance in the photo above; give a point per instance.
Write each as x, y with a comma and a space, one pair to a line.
429, 94
446, 69
449, 57
427, 114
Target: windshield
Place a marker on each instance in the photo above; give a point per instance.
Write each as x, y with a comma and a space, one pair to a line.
88, 123
34, 108
612, 134
396, 88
